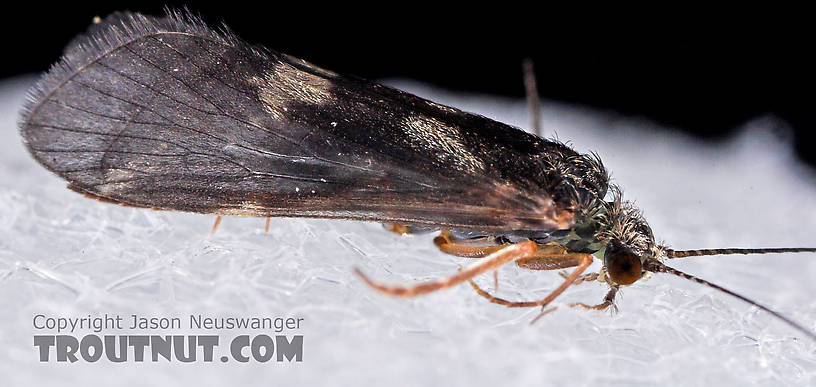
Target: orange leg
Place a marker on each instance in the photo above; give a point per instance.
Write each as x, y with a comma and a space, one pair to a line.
551, 257
588, 277
215, 225
447, 244
405, 229
609, 301
491, 262
543, 313
397, 228
266, 229
584, 260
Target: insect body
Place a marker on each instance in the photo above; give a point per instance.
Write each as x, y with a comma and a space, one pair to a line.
168, 114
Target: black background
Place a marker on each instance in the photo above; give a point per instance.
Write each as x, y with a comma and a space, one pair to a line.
703, 71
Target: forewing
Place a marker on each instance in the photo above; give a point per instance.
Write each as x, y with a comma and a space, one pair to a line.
166, 113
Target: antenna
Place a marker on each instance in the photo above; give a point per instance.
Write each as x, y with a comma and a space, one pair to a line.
696, 253
656, 266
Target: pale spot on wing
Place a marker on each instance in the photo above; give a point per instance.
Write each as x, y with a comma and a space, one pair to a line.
443, 140
284, 85
112, 189
119, 175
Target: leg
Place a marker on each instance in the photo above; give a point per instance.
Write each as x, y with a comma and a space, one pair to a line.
532, 96
448, 245
266, 228
584, 260
397, 228
403, 229
215, 225
550, 257
588, 277
608, 301
490, 262
543, 313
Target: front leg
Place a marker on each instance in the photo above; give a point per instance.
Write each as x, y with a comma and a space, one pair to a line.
609, 301
588, 277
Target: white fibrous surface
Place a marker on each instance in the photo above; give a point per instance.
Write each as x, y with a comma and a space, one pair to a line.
69, 256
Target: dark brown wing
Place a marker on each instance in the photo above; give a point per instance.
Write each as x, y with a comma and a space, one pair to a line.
166, 113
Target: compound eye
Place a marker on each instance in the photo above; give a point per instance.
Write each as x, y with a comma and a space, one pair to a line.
623, 267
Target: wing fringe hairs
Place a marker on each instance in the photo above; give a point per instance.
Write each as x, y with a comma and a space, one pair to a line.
117, 30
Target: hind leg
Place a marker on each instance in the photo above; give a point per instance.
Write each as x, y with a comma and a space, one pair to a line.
490, 262
449, 244
469, 248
